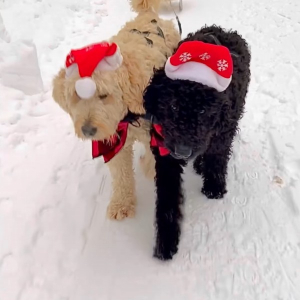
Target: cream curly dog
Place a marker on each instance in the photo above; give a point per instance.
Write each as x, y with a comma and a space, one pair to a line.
142, 44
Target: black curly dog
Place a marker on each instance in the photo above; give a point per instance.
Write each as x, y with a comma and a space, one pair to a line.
197, 121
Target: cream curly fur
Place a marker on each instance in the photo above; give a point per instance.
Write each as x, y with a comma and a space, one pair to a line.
124, 89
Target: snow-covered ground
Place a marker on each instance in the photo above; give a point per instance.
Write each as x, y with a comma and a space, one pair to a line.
55, 240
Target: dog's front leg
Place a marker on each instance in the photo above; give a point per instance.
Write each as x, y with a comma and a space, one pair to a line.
123, 200
168, 202
214, 169
214, 176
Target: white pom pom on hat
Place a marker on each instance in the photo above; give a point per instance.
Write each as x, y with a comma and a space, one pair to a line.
102, 56
85, 87
201, 62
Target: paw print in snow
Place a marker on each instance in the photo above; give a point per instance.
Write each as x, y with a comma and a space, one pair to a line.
222, 65
185, 56
204, 56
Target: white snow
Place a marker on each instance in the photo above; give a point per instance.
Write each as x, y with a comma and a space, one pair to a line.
3, 33
55, 240
20, 67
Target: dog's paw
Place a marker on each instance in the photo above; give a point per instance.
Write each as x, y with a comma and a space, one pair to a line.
120, 211
165, 252
214, 191
214, 187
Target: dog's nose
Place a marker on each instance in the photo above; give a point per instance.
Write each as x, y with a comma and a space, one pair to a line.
183, 151
88, 130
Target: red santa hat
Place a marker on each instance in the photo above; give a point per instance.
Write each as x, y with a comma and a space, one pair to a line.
102, 56
201, 62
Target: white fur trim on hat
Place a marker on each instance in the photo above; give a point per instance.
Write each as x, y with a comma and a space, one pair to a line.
111, 63
197, 72
85, 87
73, 69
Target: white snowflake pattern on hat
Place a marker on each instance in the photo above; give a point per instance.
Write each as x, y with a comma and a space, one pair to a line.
71, 59
205, 63
204, 56
185, 56
222, 65
88, 48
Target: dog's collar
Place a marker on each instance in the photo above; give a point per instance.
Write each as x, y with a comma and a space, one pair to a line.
151, 118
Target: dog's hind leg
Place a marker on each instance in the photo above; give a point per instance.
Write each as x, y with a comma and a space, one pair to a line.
123, 200
168, 205
147, 161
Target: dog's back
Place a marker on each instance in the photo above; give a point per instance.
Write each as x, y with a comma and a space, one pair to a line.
145, 43
156, 31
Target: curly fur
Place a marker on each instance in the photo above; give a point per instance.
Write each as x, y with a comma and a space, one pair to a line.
120, 92
201, 118
144, 5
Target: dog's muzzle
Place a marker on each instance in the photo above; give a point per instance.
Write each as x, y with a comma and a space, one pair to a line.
182, 152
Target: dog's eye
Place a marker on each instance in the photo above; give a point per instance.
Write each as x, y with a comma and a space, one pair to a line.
202, 111
102, 96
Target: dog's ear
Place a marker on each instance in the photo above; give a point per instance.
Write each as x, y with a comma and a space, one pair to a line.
134, 100
150, 97
131, 86
158, 92
59, 92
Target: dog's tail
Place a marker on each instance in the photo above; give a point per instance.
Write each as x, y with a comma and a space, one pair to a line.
145, 5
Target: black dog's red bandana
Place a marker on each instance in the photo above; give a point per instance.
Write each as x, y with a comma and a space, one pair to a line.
108, 149
157, 140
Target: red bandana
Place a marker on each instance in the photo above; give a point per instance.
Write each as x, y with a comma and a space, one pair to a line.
157, 140
108, 149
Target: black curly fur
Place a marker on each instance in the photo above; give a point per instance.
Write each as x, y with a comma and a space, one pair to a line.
202, 118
